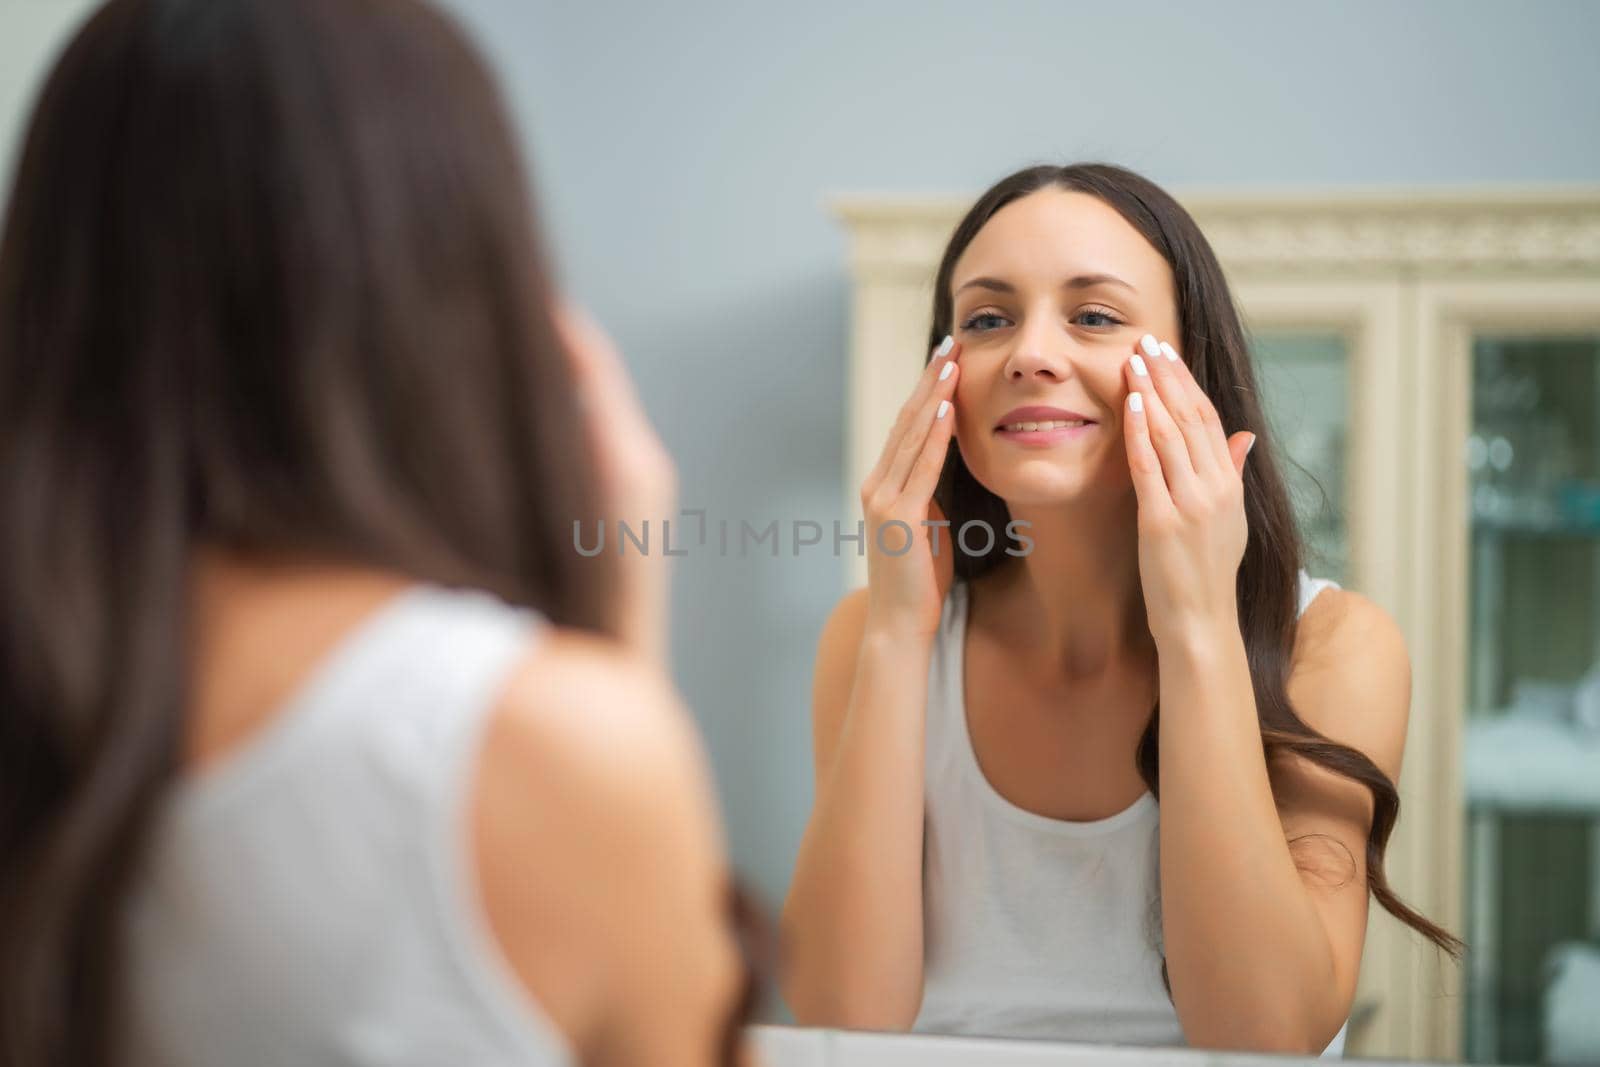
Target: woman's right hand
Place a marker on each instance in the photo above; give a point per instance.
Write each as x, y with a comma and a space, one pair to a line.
638, 477
906, 591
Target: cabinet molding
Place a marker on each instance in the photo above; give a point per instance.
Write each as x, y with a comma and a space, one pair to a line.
1543, 229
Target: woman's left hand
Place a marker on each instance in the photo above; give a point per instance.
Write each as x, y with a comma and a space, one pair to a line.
1188, 477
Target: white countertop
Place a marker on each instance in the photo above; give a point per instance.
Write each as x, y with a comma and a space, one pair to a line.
788, 1046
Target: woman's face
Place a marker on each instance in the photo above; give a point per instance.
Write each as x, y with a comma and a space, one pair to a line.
1050, 300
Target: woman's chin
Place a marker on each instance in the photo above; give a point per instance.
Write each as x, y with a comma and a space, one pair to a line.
1030, 486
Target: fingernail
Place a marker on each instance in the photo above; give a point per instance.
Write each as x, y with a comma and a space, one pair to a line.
949, 368
1139, 367
944, 406
1251, 445
1149, 345
1135, 401
1172, 353
944, 347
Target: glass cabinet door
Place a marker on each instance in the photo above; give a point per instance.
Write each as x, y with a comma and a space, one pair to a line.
1304, 383
1531, 746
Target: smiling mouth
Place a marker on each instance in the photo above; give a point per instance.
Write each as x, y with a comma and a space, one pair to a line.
1051, 424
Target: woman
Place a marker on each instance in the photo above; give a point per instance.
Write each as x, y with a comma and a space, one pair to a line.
320, 743
994, 721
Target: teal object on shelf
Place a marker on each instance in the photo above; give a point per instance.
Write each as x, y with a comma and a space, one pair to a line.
1580, 502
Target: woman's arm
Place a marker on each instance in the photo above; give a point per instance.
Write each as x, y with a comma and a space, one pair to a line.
852, 922
1263, 941
1264, 937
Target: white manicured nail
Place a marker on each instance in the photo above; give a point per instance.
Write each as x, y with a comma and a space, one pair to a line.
944, 347
1139, 368
944, 406
1149, 345
1135, 401
949, 369
1171, 352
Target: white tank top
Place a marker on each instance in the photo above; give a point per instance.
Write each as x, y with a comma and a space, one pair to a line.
312, 899
1035, 927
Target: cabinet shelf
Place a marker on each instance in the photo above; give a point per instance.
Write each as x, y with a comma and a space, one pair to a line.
1518, 526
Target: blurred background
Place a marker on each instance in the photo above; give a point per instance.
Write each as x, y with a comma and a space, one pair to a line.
686, 155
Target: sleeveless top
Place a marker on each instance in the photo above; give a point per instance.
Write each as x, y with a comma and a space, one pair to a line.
1035, 927
313, 898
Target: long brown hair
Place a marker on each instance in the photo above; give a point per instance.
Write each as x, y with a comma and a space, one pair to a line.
1215, 348
270, 280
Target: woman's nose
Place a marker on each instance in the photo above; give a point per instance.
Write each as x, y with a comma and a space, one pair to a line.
1039, 353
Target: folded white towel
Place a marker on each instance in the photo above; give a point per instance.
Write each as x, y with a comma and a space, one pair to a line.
1571, 1023
1586, 701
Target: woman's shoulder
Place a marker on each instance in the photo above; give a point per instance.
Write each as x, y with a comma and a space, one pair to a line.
1351, 674
588, 698
593, 809
583, 719
1338, 623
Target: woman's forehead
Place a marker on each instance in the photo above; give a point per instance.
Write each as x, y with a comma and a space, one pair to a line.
1053, 235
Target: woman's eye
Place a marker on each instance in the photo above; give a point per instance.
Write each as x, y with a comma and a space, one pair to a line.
984, 321
974, 322
1102, 319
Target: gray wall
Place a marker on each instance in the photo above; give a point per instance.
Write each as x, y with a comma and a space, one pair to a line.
683, 154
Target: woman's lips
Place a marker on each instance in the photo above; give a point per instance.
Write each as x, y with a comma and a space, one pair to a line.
1045, 438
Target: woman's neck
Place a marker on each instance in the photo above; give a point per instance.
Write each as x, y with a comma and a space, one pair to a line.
1074, 605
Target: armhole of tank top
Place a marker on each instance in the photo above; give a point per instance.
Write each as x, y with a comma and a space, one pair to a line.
485, 970
1305, 582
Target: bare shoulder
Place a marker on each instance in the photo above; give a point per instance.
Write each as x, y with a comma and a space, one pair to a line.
593, 812
1351, 675
605, 713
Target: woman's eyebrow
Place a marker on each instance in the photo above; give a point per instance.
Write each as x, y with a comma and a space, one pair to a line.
1081, 281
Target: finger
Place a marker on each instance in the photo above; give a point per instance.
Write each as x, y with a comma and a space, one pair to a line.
596, 365
629, 452
1160, 429
938, 411
1239, 446
913, 403
920, 484
923, 476
594, 374
603, 384
1216, 433
1169, 374
909, 410
1143, 462
944, 562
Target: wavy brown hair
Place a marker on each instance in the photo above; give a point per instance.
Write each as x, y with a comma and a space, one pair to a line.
270, 280
1216, 350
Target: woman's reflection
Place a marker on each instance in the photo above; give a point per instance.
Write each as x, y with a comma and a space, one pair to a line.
997, 713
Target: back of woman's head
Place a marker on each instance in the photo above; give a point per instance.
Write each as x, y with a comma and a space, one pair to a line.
269, 282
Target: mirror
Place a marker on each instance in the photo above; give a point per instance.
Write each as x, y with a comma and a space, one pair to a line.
1418, 277
1437, 434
